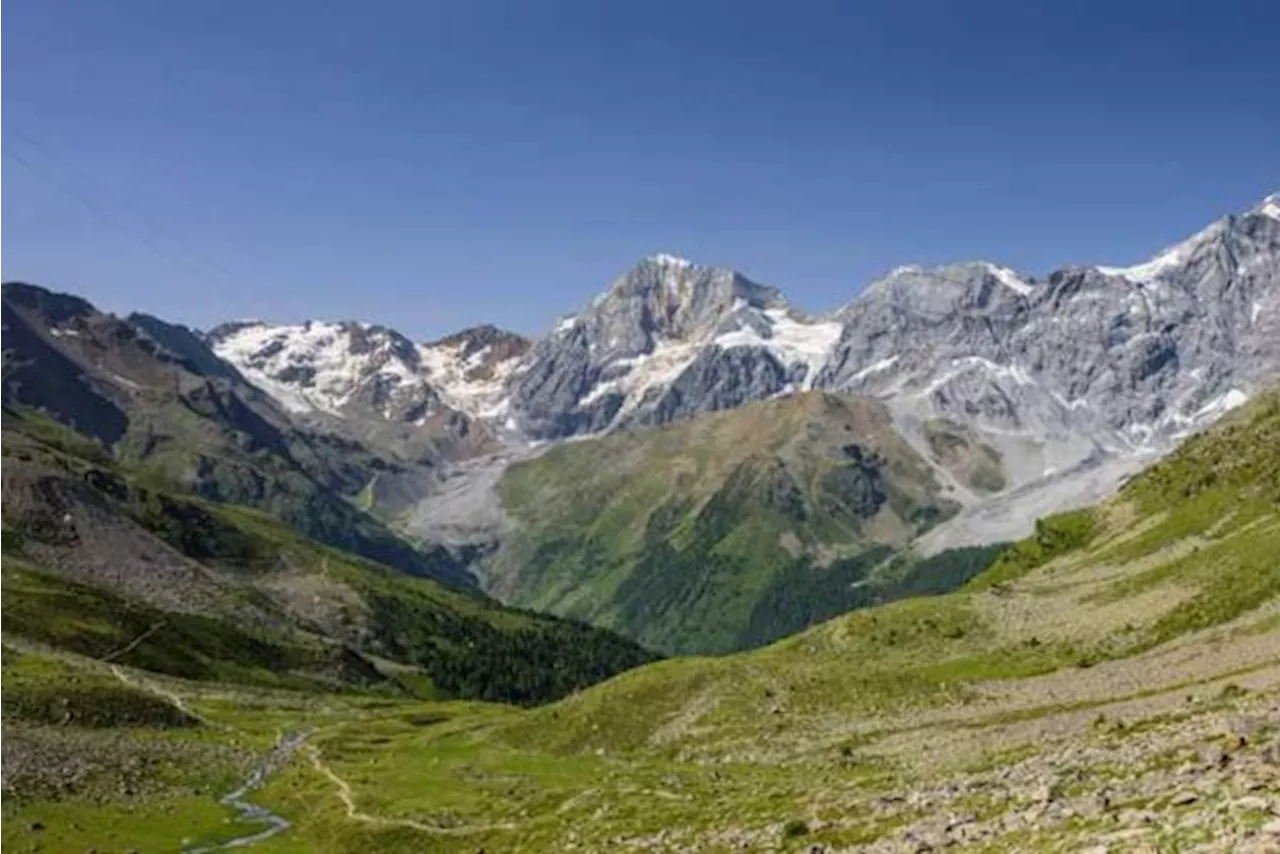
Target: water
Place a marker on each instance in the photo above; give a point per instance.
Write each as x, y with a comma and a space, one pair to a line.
251, 812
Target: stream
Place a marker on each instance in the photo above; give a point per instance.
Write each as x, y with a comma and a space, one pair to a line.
249, 812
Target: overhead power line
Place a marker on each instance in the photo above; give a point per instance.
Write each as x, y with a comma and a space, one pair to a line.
81, 187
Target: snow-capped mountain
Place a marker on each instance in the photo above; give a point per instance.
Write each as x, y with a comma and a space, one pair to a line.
472, 369
669, 338
334, 368
358, 370
1077, 376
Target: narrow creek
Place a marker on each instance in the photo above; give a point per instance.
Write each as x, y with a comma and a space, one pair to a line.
250, 812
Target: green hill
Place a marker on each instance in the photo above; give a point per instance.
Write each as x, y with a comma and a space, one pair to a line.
720, 532
112, 566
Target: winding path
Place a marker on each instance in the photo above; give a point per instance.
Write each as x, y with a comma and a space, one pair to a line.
164, 693
286, 746
348, 801
132, 645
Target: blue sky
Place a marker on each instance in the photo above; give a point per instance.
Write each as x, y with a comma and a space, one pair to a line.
432, 165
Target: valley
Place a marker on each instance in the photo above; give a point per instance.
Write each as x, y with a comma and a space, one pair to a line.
1023, 396
977, 560
1111, 682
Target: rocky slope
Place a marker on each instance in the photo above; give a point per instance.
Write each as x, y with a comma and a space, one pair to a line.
154, 396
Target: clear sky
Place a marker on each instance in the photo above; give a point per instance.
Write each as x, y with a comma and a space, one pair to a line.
432, 165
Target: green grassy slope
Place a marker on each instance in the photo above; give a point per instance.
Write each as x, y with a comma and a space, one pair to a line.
1201, 527
719, 532
1115, 632
113, 566
1111, 681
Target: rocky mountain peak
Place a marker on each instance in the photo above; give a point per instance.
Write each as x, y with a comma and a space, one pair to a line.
665, 297
1269, 207
1170, 261
330, 368
471, 368
55, 309
944, 290
502, 344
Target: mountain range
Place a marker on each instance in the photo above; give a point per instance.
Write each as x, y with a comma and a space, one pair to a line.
974, 399
1024, 395
213, 681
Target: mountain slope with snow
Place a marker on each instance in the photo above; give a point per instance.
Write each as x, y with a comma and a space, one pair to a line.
669, 338
1070, 378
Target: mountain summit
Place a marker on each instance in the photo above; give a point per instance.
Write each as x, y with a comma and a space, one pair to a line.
669, 338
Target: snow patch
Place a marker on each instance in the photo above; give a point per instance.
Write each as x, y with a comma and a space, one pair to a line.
1270, 206
668, 260
875, 368
792, 341
1009, 279
1170, 259
124, 381
1017, 373
1221, 405
1078, 403
659, 367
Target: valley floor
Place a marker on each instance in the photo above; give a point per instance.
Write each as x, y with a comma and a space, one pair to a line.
1177, 749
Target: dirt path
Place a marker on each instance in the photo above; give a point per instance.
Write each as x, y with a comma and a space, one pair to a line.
131, 645
166, 694
348, 801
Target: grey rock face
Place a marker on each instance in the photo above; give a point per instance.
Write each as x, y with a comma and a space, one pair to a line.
1129, 357
483, 350
668, 339
1070, 378
719, 379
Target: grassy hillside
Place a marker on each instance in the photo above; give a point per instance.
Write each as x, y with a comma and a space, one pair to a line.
110, 565
1111, 682
720, 532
